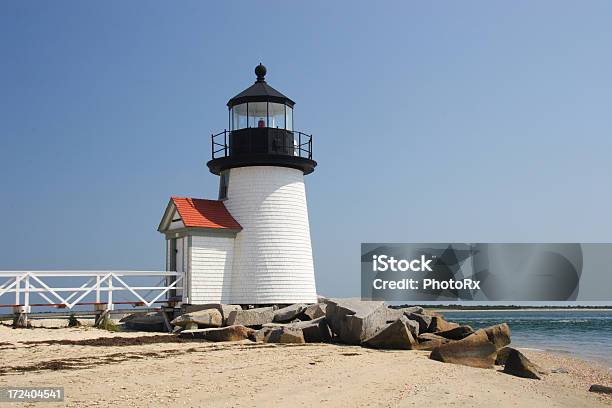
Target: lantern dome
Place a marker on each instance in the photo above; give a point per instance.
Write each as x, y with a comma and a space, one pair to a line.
260, 91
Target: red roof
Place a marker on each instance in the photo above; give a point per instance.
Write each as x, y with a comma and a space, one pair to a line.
197, 212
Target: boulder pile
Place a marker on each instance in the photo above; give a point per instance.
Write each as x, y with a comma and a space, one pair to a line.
369, 324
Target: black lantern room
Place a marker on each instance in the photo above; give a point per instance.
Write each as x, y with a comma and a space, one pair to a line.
261, 132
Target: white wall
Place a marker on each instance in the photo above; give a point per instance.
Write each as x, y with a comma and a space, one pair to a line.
272, 253
175, 224
211, 268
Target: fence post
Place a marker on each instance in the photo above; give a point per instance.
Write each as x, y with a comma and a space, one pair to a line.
17, 285
26, 294
225, 141
109, 305
20, 311
97, 288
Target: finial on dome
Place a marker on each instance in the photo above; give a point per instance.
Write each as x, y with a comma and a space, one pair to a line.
260, 71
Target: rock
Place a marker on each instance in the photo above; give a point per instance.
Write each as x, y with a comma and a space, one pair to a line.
268, 325
284, 334
151, 322
499, 335
287, 314
423, 320
438, 324
475, 350
315, 331
395, 336
432, 336
602, 389
73, 321
202, 318
413, 326
412, 309
457, 333
251, 317
190, 326
354, 320
559, 370
134, 316
225, 310
519, 365
314, 311
229, 333
429, 341
502, 356
395, 313
259, 335
392, 315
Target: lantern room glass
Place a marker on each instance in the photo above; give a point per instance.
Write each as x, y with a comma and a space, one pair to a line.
288, 118
239, 117
261, 114
258, 112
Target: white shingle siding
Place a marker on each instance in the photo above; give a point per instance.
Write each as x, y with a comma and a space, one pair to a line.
211, 269
272, 253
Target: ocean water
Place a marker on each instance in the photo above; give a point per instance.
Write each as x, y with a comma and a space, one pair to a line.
585, 333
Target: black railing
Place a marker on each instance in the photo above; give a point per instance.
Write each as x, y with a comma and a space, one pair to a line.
302, 145
220, 147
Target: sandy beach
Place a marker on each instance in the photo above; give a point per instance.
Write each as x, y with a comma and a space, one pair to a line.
116, 372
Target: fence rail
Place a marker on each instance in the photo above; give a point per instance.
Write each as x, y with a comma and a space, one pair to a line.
23, 285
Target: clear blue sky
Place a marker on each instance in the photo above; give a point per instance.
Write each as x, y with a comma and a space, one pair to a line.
472, 121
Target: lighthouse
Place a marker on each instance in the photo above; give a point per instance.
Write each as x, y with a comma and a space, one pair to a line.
250, 246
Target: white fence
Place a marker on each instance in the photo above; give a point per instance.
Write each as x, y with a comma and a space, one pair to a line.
59, 288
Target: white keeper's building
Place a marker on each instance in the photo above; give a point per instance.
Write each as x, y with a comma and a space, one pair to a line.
252, 245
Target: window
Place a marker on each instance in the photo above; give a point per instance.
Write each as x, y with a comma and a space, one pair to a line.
258, 113
277, 115
261, 114
223, 183
239, 116
289, 119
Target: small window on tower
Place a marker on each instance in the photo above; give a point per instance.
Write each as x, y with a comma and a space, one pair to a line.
223, 183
